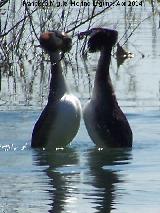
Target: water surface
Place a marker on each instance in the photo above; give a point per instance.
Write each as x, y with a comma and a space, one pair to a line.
80, 176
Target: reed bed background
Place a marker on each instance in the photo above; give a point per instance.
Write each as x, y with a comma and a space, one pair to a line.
24, 67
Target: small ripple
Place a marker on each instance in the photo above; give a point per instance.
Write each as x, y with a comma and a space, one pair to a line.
12, 147
70, 169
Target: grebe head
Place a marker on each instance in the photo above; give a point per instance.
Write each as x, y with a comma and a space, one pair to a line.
100, 38
55, 41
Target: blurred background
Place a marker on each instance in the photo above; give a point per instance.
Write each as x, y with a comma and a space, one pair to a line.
24, 67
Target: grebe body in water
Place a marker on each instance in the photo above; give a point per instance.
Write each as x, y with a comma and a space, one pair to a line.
59, 121
105, 122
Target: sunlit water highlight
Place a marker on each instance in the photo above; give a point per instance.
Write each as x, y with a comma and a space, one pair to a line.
80, 176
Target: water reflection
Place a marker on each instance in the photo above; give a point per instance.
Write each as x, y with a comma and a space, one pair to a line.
105, 179
57, 163
88, 179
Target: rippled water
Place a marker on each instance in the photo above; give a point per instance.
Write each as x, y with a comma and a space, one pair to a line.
82, 178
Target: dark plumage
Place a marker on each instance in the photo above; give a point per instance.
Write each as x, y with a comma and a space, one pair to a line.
105, 122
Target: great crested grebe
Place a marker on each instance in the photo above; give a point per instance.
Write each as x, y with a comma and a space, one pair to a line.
59, 121
105, 122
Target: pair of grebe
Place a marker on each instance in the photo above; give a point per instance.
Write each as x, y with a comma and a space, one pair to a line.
104, 120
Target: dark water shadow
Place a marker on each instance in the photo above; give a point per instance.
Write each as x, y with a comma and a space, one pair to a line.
105, 178
58, 189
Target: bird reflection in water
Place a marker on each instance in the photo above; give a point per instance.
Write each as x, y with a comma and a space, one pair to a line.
104, 178
59, 187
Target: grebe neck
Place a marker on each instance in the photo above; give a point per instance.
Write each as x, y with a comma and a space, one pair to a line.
57, 83
103, 90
